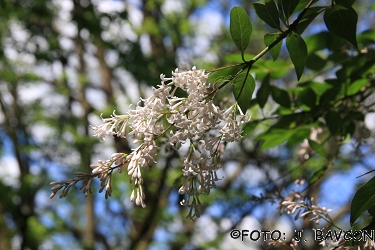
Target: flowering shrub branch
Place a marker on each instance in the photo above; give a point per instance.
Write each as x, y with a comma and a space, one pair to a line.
200, 128
165, 120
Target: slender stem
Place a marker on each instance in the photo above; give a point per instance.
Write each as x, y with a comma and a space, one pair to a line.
225, 67
243, 84
250, 63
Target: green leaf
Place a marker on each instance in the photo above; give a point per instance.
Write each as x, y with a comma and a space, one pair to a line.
240, 28
315, 62
282, 16
276, 69
330, 94
345, 2
324, 40
318, 87
342, 20
248, 128
268, 40
354, 116
273, 137
243, 88
291, 121
371, 210
298, 52
317, 175
366, 38
302, 4
289, 6
333, 121
363, 199
356, 86
307, 18
308, 97
318, 148
280, 96
263, 92
316, 42
267, 11
299, 134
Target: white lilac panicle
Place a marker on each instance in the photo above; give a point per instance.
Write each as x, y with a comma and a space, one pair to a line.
166, 119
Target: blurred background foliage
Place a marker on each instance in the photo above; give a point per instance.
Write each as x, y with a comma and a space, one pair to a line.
63, 63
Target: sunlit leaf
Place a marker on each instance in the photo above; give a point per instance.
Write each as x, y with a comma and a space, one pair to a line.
318, 87
366, 38
276, 69
273, 137
356, 86
299, 134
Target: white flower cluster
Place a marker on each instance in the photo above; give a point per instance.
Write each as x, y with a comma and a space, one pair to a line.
172, 121
306, 208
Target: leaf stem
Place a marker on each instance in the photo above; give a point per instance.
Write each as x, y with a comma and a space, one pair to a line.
250, 63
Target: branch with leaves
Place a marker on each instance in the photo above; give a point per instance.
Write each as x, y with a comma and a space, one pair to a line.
206, 125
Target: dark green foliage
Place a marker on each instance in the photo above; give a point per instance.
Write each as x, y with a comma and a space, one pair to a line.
280, 96
319, 114
298, 52
363, 200
275, 50
342, 20
243, 88
288, 7
263, 92
240, 28
268, 12
307, 18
